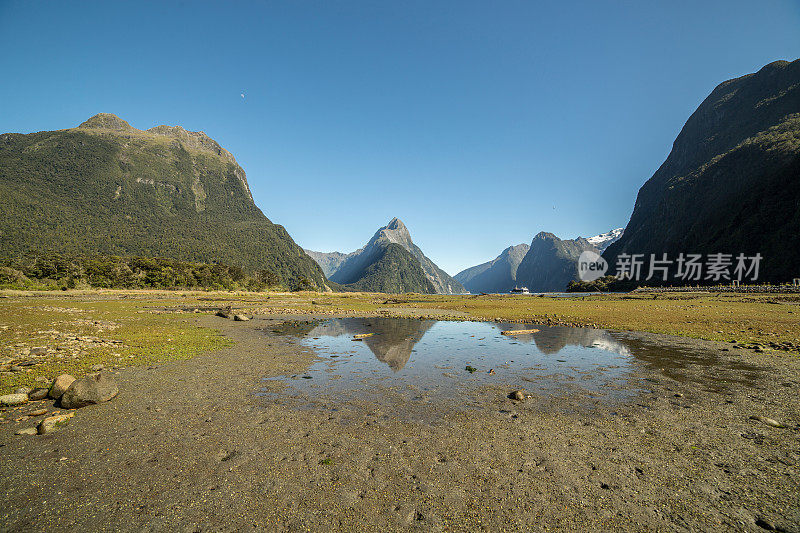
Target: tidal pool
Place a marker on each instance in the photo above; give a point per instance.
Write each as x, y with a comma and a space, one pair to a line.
420, 358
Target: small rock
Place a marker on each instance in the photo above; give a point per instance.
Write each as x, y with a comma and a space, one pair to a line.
26, 431
767, 421
240, 318
765, 524
223, 314
51, 423
16, 368
517, 395
23, 390
38, 351
37, 412
10, 400
90, 389
97, 368
38, 393
60, 386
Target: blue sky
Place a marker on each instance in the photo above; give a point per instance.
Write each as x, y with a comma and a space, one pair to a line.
477, 123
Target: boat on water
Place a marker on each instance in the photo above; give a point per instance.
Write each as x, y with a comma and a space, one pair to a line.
520, 290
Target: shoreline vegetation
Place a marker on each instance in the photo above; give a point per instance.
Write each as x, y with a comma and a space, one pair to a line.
117, 328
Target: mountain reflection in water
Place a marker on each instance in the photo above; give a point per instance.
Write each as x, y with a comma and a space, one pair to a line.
393, 340
429, 354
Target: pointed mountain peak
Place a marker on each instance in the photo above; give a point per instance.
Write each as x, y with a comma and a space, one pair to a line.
107, 121
397, 232
396, 224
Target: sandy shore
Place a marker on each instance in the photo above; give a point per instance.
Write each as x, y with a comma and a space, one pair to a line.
191, 446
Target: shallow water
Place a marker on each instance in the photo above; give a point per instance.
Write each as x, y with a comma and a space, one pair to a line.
418, 358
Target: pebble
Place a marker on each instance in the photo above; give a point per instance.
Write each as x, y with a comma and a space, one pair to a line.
97, 368
37, 412
517, 395
10, 400
51, 423
37, 394
23, 390
60, 385
767, 421
27, 431
240, 318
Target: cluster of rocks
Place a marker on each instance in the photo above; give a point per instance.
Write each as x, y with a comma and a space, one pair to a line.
227, 313
68, 393
23, 358
761, 347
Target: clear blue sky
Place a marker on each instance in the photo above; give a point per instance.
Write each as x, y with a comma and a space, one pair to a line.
477, 123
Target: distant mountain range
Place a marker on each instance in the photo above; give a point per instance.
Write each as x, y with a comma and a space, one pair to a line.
731, 183
108, 188
547, 265
389, 262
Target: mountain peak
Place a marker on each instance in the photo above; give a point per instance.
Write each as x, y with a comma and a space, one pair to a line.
397, 232
107, 121
396, 224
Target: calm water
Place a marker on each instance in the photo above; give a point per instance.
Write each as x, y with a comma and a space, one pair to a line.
418, 358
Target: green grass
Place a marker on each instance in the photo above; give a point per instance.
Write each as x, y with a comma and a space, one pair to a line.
146, 338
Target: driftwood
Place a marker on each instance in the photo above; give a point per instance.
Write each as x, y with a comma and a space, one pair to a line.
362, 336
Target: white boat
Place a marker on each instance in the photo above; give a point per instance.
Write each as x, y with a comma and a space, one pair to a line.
520, 290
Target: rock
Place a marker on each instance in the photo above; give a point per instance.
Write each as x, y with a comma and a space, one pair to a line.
16, 368
38, 393
37, 412
90, 389
767, 421
26, 431
23, 390
51, 423
240, 318
10, 400
60, 386
765, 524
517, 395
223, 314
97, 368
38, 351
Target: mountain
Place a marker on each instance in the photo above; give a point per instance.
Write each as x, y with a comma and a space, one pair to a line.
731, 183
388, 267
373, 266
108, 188
551, 263
328, 261
604, 240
497, 275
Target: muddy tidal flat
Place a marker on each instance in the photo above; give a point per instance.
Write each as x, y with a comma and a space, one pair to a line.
634, 414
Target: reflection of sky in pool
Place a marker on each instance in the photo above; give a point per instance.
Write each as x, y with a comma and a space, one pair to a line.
427, 356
